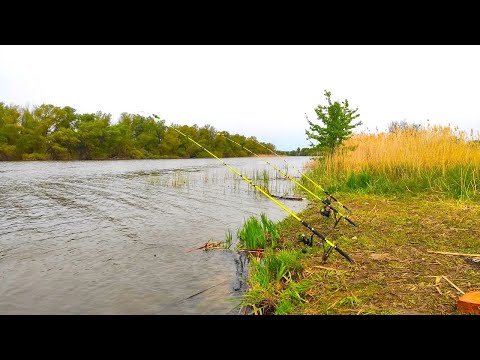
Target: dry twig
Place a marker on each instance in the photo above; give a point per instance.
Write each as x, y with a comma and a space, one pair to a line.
455, 286
453, 253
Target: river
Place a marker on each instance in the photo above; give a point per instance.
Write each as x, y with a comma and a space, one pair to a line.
111, 237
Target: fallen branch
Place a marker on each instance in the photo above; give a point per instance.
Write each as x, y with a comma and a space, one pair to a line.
455, 286
453, 253
209, 245
198, 248
252, 250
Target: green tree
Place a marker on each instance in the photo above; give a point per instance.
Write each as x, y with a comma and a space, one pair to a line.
170, 144
49, 132
337, 119
93, 136
120, 141
399, 126
62, 144
9, 131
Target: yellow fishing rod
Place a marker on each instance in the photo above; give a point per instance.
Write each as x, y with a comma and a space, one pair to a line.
326, 202
320, 236
305, 176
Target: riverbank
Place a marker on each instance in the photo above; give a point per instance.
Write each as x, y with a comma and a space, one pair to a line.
395, 269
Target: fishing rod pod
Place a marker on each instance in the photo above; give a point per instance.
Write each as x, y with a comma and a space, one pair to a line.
339, 213
329, 196
314, 231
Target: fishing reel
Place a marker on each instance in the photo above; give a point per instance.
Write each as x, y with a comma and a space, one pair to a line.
306, 240
328, 209
327, 249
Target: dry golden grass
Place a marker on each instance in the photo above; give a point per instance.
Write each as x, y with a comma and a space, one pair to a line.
418, 150
435, 159
411, 192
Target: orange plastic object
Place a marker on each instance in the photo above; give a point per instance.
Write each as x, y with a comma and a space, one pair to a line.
469, 302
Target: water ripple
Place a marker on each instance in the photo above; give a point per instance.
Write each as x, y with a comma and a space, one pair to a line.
109, 237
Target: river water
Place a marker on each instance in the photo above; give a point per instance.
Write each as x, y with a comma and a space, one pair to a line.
111, 237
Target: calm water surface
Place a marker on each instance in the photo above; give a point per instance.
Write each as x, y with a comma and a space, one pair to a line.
111, 237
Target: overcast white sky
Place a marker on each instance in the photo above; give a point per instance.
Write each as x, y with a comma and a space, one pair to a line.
259, 90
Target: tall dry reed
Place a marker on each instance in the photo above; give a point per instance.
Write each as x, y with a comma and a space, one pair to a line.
437, 159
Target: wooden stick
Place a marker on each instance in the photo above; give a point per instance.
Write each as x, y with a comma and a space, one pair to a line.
208, 245
201, 247
252, 250
451, 283
326, 268
452, 253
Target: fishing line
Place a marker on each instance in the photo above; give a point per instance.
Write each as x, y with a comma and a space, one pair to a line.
313, 230
303, 174
326, 202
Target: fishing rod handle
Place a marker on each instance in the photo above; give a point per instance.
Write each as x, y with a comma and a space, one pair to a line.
334, 209
335, 199
344, 254
326, 203
351, 222
328, 194
322, 238
330, 206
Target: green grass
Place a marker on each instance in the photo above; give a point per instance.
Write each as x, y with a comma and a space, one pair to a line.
257, 234
292, 297
457, 182
393, 273
279, 264
228, 239
267, 278
270, 271
404, 212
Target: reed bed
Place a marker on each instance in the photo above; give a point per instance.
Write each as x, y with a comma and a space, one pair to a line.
435, 160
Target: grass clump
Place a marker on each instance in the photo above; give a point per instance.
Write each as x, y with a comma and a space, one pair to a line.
258, 234
269, 276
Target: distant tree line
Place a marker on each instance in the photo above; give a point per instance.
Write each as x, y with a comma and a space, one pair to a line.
49, 132
399, 126
299, 152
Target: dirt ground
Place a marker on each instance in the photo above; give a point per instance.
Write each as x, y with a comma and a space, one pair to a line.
394, 271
